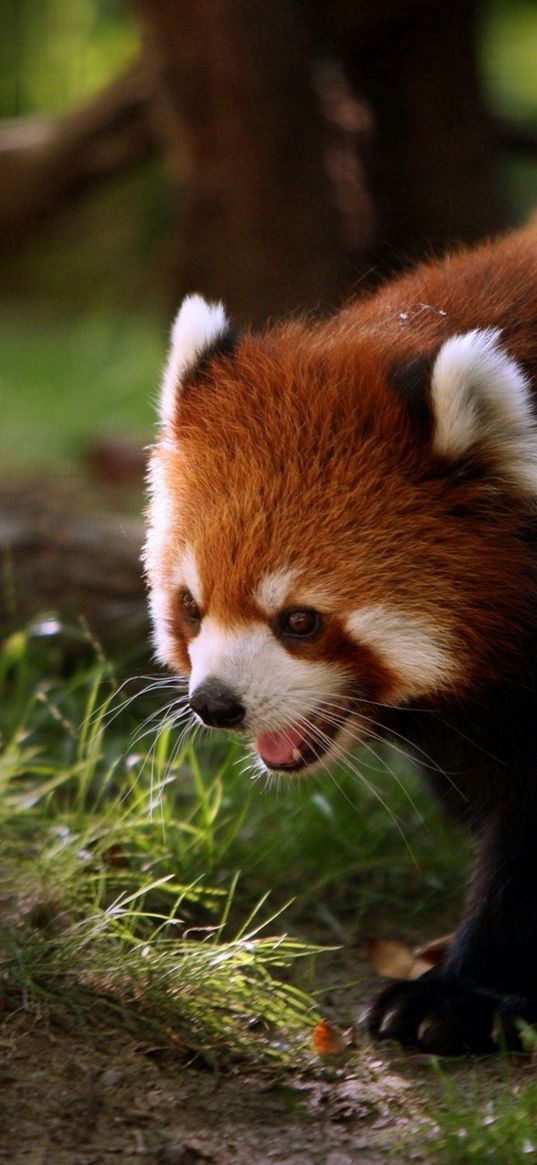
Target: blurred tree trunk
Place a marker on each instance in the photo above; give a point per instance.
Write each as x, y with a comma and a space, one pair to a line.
280, 212
235, 85
433, 175
305, 139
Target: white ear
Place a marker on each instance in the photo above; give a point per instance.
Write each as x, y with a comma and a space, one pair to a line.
481, 396
197, 325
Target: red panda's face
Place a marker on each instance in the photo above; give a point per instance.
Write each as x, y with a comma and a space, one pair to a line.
318, 547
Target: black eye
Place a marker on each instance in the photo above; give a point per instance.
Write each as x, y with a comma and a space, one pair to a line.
298, 623
190, 609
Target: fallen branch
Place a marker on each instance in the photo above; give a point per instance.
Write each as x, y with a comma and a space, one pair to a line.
63, 552
46, 162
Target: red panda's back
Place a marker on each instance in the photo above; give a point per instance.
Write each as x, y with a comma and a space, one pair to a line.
493, 286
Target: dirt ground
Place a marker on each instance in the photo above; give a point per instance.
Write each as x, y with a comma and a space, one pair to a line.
67, 1099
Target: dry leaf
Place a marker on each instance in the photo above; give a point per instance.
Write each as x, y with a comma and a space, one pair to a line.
435, 951
395, 960
328, 1040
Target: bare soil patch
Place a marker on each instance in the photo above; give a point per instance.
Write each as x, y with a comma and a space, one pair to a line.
99, 1097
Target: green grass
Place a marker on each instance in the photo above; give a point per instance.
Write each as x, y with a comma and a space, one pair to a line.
114, 892
149, 885
495, 1129
156, 877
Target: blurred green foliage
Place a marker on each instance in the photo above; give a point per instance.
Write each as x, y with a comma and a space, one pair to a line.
55, 53
81, 329
65, 380
508, 54
509, 57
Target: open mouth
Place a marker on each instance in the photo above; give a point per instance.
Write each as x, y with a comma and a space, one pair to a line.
298, 745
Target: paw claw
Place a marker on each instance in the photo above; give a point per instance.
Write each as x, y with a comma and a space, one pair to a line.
389, 1020
438, 1014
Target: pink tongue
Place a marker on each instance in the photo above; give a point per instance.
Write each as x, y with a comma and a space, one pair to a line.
277, 747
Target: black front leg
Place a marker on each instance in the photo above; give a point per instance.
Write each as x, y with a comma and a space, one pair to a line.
489, 978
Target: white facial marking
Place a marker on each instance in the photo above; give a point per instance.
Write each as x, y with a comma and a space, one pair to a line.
197, 325
159, 605
160, 520
416, 654
274, 687
272, 591
480, 394
186, 575
160, 511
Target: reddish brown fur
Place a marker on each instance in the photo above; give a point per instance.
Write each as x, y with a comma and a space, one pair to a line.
302, 452
298, 452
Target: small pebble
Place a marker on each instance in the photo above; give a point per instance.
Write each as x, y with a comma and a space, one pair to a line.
111, 1077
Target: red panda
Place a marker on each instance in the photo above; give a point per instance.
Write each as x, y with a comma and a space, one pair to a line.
342, 542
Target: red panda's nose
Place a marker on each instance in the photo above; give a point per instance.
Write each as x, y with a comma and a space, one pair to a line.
217, 705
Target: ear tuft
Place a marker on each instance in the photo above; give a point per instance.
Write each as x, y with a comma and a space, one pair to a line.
197, 326
481, 399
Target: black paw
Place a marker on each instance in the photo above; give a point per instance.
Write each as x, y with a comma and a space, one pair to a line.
436, 1013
